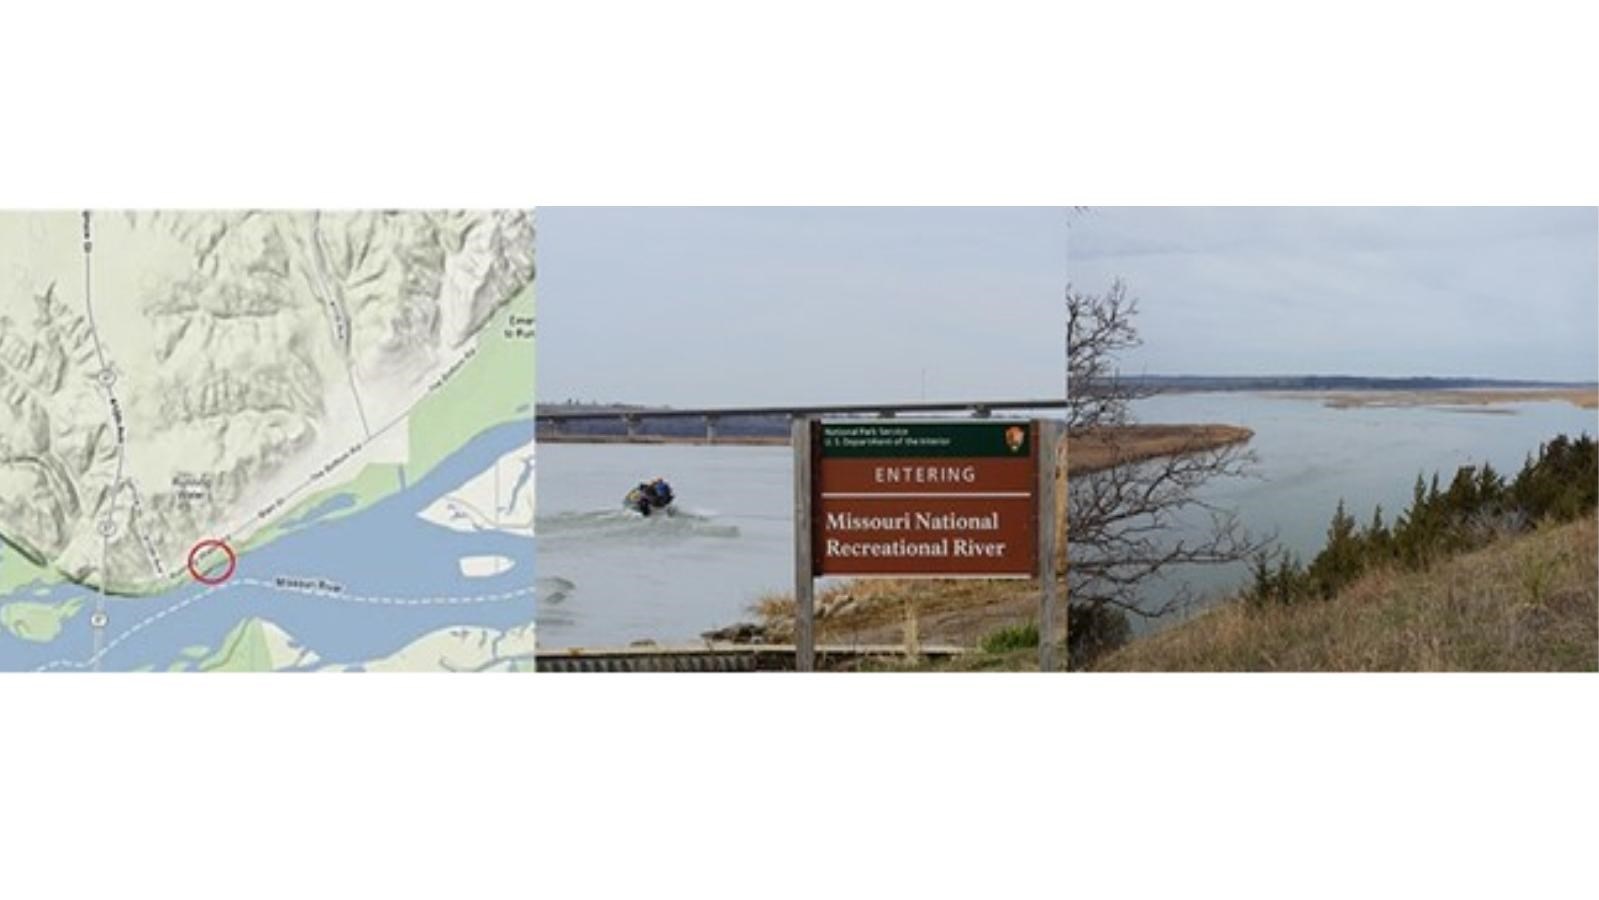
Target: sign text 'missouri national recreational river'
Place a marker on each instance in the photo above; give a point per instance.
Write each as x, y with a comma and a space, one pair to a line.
933, 499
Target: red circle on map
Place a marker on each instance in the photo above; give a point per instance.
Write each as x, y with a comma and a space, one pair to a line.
203, 546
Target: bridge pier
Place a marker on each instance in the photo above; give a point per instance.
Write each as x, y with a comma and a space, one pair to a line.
710, 428
632, 423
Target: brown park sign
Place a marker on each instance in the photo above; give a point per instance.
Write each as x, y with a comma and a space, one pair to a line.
943, 499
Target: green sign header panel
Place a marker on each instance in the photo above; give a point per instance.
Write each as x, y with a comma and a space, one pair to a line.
969, 438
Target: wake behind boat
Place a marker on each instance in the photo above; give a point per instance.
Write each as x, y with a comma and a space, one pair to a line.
679, 523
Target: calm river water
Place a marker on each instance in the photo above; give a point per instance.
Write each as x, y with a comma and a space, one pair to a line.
1309, 456
610, 577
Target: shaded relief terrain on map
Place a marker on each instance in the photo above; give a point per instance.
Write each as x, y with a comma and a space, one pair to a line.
220, 432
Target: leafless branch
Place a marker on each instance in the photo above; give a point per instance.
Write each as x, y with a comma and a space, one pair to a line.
1135, 521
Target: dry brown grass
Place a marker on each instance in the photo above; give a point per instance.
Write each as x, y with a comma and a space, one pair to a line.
890, 611
1106, 447
1525, 604
1587, 398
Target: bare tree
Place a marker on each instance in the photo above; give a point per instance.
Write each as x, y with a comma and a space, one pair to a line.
1133, 520
1098, 328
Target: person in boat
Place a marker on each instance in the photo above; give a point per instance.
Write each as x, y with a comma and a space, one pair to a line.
650, 496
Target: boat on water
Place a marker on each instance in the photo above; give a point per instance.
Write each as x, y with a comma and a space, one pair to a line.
650, 497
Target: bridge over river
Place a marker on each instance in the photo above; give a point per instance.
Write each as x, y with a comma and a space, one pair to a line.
632, 419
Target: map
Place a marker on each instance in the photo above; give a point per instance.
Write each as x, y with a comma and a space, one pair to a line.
266, 441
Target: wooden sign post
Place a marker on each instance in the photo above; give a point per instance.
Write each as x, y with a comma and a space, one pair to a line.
804, 581
1049, 534
946, 498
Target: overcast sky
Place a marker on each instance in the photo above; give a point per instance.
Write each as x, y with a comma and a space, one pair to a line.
731, 306
1492, 292
739, 306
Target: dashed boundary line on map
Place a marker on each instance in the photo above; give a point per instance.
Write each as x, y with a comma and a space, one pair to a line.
273, 586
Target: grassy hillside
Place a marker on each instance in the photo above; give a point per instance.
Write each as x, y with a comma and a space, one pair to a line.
1528, 603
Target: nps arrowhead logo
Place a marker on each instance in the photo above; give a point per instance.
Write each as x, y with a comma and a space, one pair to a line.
1015, 438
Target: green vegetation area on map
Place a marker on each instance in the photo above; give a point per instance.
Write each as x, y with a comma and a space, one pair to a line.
372, 484
243, 650
18, 571
496, 387
38, 622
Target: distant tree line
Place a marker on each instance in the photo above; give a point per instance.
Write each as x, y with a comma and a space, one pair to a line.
1558, 485
1160, 383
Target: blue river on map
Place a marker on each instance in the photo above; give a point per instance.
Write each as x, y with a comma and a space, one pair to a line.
385, 550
